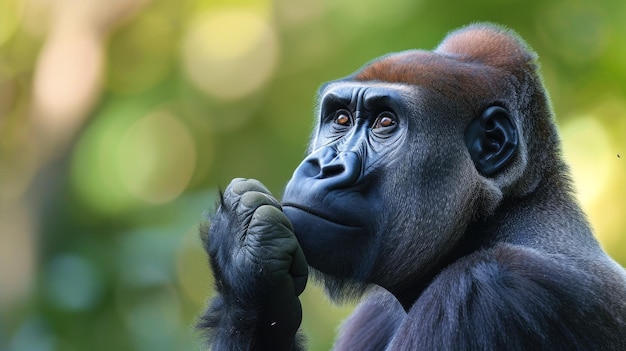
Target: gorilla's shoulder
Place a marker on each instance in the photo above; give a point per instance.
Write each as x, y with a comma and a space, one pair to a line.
514, 297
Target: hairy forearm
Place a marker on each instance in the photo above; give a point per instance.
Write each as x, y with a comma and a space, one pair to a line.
229, 326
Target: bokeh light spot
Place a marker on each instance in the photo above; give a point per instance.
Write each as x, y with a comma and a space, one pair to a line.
67, 79
94, 172
33, 335
122, 161
229, 54
72, 283
156, 158
587, 149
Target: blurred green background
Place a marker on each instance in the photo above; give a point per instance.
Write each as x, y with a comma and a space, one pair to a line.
119, 119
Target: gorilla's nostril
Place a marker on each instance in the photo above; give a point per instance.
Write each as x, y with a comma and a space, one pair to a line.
332, 170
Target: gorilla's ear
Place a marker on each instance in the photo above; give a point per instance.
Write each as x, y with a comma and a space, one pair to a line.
491, 140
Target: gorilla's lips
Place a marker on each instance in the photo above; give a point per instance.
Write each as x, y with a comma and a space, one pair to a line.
320, 215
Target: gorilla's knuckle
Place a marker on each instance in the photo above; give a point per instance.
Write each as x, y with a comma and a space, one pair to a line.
243, 186
269, 217
268, 213
255, 199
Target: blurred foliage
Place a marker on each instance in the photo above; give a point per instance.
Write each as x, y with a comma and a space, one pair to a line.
120, 119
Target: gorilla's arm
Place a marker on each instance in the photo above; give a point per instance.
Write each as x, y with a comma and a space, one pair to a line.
259, 271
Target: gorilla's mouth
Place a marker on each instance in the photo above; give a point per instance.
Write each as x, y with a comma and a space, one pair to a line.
322, 216
323, 239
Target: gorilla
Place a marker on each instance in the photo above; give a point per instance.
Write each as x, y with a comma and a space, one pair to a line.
434, 191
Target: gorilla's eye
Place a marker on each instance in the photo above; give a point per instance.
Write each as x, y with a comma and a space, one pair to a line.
342, 117
384, 120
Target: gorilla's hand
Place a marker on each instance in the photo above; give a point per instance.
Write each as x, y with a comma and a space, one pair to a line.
259, 269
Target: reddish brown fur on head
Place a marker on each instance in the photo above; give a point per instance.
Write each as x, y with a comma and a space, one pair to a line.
488, 44
466, 58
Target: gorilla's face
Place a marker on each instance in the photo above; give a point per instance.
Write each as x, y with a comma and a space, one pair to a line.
335, 199
388, 186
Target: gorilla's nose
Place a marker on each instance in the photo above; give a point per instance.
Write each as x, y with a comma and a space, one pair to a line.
335, 170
